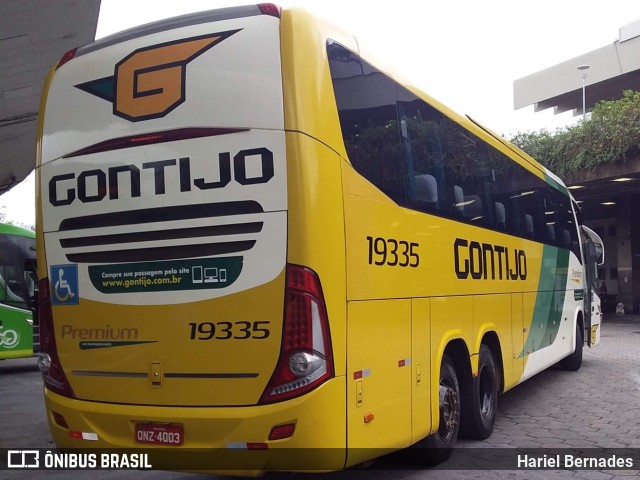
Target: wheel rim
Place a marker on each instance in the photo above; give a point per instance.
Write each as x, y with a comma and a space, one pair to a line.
449, 411
487, 393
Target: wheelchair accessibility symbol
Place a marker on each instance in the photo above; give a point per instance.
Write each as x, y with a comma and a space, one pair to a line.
64, 284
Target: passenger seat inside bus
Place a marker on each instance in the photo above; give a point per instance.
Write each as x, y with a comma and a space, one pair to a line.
458, 196
501, 216
528, 225
551, 233
426, 191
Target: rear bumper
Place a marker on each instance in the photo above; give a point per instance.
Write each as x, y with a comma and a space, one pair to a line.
216, 439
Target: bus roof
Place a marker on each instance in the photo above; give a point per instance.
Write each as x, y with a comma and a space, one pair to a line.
6, 229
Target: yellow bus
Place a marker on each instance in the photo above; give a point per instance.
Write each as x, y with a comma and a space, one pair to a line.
252, 240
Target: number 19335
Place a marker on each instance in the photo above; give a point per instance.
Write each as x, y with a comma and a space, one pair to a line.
392, 252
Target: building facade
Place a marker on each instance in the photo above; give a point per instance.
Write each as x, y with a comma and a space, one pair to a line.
610, 194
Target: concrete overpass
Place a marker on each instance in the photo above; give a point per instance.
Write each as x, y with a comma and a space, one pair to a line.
34, 34
613, 69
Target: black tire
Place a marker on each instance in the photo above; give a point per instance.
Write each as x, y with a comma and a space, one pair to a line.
574, 361
437, 448
480, 403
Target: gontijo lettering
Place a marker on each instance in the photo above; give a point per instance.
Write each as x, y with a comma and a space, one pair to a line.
91, 185
484, 261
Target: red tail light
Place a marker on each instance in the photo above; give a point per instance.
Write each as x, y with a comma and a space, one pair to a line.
269, 9
66, 57
48, 361
306, 359
152, 138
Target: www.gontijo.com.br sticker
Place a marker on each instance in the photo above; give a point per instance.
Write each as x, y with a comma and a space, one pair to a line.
194, 274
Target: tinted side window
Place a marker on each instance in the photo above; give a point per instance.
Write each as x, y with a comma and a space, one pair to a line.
424, 160
560, 222
13, 252
366, 100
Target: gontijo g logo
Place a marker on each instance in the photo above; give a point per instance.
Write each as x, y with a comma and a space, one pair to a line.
150, 82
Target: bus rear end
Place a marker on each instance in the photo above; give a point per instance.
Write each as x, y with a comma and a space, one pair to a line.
169, 315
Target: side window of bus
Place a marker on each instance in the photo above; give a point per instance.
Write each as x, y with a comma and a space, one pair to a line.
11, 283
560, 225
450, 171
366, 100
473, 178
7, 251
424, 151
428, 162
445, 167
556, 207
534, 221
512, 189
3, 285
570, 227
498, 180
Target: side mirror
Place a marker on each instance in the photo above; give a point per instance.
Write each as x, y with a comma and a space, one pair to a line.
31, 278
599, 254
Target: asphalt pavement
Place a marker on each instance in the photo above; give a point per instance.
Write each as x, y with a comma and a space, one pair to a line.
595, 407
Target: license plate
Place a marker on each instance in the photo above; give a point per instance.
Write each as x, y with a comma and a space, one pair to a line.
160, 433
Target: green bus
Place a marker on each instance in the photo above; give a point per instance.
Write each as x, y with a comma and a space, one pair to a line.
18, 335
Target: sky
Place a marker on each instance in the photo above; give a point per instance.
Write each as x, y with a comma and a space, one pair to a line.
464, 53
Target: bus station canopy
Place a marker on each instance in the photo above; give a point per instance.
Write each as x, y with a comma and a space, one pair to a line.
34, 34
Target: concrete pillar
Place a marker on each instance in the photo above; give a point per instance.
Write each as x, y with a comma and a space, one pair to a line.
634, 218
624, 253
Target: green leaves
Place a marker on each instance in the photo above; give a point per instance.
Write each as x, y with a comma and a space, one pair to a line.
610, 135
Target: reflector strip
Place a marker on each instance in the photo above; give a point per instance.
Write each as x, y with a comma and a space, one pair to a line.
84, 435
257, 446
362, 374
404, 362
247, 446
237, 445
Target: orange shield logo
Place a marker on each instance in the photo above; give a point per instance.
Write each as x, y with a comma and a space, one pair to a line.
150, 82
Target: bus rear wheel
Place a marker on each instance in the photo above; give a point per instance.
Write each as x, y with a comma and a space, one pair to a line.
438, 447
480, 406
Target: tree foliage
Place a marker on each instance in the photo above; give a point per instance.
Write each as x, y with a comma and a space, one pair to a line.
610, 135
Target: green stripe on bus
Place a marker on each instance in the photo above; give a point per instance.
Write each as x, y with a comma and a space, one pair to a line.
554, 183
547, 313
